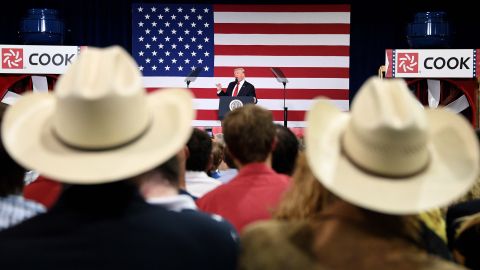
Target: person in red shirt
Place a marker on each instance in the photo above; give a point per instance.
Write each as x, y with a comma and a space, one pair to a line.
249, 134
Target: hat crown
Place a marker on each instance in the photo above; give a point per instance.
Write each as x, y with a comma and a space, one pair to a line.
388, 131
100, 101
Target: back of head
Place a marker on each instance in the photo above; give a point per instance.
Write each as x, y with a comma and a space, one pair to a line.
170, 171
200, 148
249, 133
286, 150
11, 178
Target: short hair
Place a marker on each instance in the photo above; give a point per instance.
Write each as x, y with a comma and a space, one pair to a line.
241, 69
249, 133
286, 150
170, 171
12, 176
200, 148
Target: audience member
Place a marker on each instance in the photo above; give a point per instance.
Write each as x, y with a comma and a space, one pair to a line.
230, 169
43, 191
14, 208
217, 159
250, 196
198, 161
466, 239
286, 150
385, 161
100, 133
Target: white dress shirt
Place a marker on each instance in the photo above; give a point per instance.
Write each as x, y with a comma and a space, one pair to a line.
199, 183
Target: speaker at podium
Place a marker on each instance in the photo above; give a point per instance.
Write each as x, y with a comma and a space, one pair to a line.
228, 104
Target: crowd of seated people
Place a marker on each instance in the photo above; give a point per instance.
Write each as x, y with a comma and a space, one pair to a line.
126, 182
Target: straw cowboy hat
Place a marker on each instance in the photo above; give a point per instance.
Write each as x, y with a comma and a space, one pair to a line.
389, 154
99, 125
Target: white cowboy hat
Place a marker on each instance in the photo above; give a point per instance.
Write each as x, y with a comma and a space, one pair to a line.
389, 154
99, 126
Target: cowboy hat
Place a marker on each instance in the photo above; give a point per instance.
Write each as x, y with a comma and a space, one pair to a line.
389, 154
99, 125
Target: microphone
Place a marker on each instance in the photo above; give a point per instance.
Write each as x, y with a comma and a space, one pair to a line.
236, 80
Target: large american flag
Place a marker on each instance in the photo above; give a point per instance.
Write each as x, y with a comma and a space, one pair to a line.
309, 43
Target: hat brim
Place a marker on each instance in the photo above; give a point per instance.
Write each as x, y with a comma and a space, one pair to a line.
28, 137
452, 170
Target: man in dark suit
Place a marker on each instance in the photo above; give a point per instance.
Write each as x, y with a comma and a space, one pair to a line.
239, 87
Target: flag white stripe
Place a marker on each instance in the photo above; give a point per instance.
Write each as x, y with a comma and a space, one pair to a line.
281, 61
216, 123
282, 39
270, 104
206, 123
281, 17
270, 83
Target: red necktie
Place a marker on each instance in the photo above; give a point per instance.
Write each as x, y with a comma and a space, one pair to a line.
235, 91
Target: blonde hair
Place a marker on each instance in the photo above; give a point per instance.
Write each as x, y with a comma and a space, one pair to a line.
306, 195
240, 69
466, 223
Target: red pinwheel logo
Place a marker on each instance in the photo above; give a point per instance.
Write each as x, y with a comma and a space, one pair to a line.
407, 63
12, 58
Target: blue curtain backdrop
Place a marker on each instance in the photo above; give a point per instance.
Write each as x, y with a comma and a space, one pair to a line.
375, 25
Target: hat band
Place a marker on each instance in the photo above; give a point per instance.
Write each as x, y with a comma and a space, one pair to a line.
108, 148
370, 170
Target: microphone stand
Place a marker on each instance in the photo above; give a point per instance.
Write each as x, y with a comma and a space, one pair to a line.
281, 78
192, 76
285, 108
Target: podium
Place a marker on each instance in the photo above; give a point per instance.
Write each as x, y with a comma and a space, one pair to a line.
228, 104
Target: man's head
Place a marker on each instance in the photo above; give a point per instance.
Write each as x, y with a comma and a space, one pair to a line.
200, 151
286, 150
169, 172
249, 133
239, 73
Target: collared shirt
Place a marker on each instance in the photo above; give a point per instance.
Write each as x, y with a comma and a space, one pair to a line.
240, 84
199, 183
248, 197
239, 87
175, 203
15, 209
227, 175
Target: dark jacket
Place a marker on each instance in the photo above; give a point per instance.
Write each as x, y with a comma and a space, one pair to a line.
111, 227
247, 90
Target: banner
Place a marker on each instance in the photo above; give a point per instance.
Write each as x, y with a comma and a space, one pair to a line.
431, 63
36, 59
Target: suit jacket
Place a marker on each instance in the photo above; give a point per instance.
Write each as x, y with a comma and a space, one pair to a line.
247, 90
111, 227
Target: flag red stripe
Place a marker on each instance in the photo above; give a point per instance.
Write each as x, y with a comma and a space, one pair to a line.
276, 93
265, 28
281, 8
290, 72
302, 93
282, 50
277, 115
